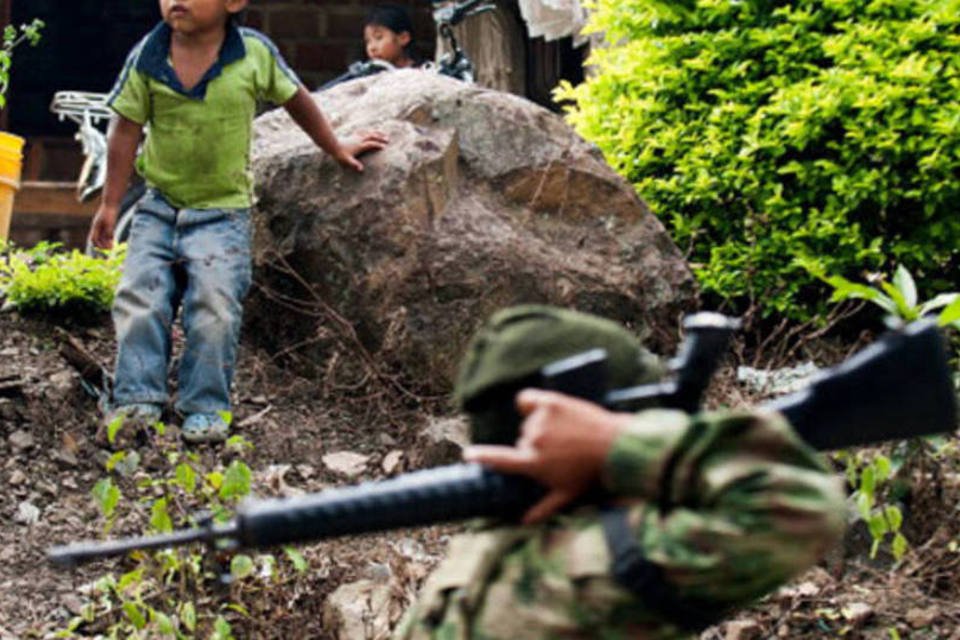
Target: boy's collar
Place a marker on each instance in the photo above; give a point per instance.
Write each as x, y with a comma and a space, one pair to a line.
155, 59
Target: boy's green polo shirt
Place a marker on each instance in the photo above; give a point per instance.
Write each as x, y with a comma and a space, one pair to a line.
197, 150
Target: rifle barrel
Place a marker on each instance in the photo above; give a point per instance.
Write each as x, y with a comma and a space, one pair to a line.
71, 555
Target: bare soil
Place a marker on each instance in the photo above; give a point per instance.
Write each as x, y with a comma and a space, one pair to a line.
49, 461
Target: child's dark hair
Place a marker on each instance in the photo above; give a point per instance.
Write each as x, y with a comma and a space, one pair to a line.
392, 16
396, 18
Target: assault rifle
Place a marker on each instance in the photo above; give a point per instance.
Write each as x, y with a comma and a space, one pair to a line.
899, 387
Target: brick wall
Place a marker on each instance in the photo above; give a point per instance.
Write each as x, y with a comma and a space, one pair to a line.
319, 38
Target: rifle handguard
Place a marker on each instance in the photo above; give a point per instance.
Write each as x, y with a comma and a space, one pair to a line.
442, 494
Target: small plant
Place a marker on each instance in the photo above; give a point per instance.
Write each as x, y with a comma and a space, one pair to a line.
156, 596
898, 298
879, 480
71, 285
12, 37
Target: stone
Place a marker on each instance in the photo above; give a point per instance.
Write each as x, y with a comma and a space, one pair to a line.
742, 630
306, 471
442, 442
361, 610
62, 381
73, 603
21, 441
378, 571
857, 613
391, 462
481, 200
346, 463
17, 478
27, 513
919, 617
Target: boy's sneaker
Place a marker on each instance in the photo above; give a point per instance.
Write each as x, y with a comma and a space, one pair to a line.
134, 419
204, 427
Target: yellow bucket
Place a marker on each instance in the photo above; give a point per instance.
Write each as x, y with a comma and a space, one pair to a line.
11, 163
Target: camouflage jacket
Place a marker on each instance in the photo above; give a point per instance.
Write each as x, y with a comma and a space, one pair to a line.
727, 505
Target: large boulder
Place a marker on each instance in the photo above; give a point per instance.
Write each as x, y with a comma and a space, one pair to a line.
481, 200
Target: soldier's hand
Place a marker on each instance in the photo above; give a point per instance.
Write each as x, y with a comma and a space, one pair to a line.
563, 445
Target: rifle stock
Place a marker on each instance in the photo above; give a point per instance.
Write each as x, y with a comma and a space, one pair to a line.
899, 387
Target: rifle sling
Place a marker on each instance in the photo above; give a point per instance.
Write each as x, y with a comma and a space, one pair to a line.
645, 579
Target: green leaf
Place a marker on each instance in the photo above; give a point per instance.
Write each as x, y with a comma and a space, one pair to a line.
186, 477
878, 526
902, 310
296, 558
846, 290
906, 286
107, 496
114, 428
130, 579
241, 566
221, 630
188, 615
882, 468
214, 479
899, 546
159, 517
236, 481
113, 460
950, 314
133, 613
163, 623
238, 443
868, 481
938, 302
893, 517
864, 505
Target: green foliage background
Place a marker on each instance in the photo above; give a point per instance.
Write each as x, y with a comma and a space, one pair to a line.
45, 281
763, 130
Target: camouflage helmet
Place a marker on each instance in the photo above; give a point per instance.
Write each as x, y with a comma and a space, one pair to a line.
509, 351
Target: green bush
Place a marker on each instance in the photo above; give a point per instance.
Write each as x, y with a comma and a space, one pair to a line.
65, 285
761, 131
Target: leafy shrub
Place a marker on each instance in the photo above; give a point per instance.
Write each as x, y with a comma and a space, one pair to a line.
12, 38
764, 130
67, 285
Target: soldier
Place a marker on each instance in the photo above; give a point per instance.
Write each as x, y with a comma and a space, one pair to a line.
703, 513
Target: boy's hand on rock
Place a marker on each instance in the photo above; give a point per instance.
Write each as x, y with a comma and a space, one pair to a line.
368, 141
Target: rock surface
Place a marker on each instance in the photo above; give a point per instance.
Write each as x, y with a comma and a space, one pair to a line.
362, 610
481, 200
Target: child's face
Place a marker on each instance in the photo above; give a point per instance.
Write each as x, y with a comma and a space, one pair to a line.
197, 16
384, 44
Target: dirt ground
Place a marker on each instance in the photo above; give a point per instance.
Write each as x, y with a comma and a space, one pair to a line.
49, 461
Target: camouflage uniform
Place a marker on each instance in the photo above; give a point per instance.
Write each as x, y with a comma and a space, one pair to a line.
722, 507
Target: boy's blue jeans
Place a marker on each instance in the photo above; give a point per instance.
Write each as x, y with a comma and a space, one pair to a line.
197, 259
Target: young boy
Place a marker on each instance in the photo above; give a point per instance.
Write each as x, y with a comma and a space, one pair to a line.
195, 79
